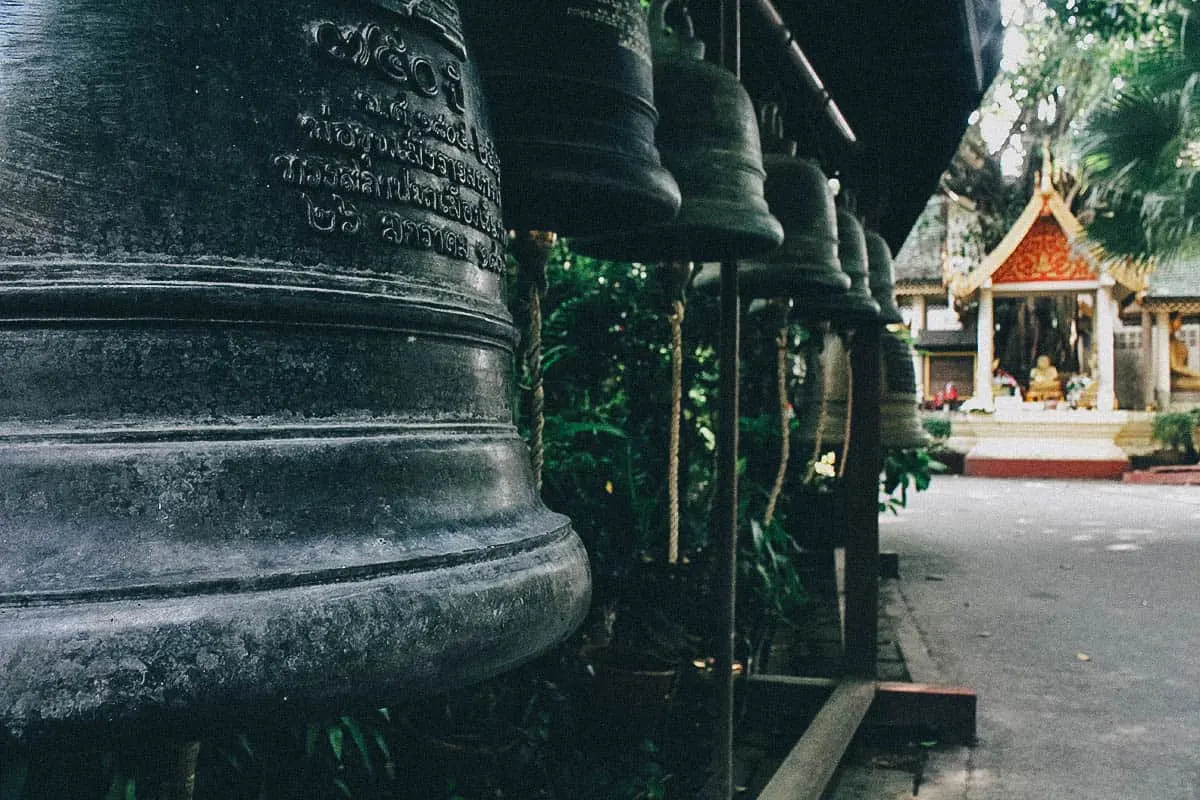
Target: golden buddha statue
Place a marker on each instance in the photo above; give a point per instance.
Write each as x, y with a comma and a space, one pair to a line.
1183, 378
1043, 381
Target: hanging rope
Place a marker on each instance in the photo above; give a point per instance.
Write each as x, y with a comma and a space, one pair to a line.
532, 249
822, 421
676, 320
849, 417
537, 411
785, 445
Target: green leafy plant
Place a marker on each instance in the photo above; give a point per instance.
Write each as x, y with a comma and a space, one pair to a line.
1175, 429
938, 427
905, 469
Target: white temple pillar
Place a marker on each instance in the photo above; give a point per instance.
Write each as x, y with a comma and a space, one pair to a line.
1105, 331
985, 334
1147, 359
916, 325
1162, 360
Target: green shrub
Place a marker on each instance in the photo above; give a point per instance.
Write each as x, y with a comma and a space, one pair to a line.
937, 427
1174, 429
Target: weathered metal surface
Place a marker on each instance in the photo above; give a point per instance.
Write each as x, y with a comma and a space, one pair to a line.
571, 92
823, 405
898, 410
854, 306
882, 278
806, 267
256, 447
708, 137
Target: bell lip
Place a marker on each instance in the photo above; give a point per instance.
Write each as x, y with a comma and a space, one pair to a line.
853, 308
628, 192
828, 275
746, 233
553, 564
765, 283
889, 313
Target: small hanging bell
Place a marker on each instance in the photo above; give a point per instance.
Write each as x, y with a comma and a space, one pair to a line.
806, 267
570, 90
856, 305
708, 137
883, 278
824, 402
898, 408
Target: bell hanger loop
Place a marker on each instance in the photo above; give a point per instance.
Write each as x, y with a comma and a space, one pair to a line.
677, 40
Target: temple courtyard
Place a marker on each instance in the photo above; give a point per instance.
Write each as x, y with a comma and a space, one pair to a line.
1070, 607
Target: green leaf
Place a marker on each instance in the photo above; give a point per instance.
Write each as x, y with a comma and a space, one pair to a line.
336, 738
360, 743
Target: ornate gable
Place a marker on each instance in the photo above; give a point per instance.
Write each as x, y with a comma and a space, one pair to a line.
1044, 254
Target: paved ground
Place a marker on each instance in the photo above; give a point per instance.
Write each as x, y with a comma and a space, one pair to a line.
1073, 609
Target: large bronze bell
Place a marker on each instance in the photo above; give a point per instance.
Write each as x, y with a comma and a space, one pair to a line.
571, 92
898, 405
708, 137
855, 305
806, 267
882, 278
255, 431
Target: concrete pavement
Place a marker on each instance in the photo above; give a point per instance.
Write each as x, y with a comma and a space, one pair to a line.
1073, 609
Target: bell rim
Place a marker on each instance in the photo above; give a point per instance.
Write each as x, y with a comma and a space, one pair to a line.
213, 691
749, 232
641, 190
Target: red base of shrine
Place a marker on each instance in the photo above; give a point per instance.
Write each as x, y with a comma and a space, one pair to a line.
1112, 469
1166, 476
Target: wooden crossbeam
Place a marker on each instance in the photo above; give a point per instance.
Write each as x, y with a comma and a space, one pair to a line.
810, 766
948, 712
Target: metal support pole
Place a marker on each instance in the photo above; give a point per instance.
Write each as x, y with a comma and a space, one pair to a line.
864, 462
725, 532
725, 535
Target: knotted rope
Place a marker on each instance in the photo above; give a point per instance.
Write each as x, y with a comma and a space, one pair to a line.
785, 446
676, 320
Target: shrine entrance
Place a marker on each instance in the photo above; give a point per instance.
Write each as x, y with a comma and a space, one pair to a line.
1046, 314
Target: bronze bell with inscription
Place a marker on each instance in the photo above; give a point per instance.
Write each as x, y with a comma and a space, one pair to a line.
882, 278
571, 93
255, 428
901, 424
708, 137
806, 267
854, 306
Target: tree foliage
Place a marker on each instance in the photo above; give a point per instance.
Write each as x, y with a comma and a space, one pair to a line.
1141, 154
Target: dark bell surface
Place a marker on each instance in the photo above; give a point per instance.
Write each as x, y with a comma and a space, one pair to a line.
574, 122
708, 139
255, 430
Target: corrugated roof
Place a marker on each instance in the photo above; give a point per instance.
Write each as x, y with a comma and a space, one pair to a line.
1175, 281
921, 256
947, 340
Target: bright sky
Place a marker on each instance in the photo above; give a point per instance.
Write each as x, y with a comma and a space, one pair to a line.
995, 123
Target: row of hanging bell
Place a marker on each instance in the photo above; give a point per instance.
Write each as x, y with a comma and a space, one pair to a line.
709, 140
830, 368
901, 422
571, 96
588, 154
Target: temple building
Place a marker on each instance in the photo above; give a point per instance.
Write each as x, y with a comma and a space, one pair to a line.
1170, 338
1036, 321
